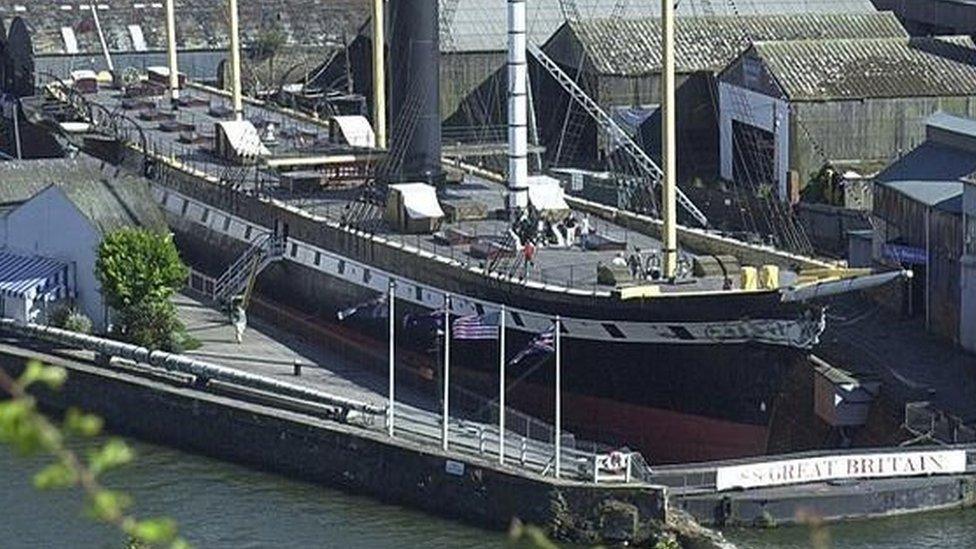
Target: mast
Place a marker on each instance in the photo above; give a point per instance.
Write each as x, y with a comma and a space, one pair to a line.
668, 185
379, 73
235, 62
518, 164
174, 78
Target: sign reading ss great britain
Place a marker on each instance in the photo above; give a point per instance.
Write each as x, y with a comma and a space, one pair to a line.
817, 469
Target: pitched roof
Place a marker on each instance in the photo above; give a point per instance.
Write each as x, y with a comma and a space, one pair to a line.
932, 173
109, 202
632, 46
821, 70
482, 25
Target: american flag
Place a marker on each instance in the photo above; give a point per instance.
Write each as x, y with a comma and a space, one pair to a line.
543, 344
476, 327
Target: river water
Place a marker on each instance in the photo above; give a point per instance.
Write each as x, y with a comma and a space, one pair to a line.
220, 505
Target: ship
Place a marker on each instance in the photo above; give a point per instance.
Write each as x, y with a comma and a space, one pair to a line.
673, 340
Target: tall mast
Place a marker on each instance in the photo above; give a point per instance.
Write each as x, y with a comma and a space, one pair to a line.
669, 232
518, 163
174, 79
379, 73
235, 62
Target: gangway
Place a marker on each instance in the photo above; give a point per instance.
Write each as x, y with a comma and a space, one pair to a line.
241, 274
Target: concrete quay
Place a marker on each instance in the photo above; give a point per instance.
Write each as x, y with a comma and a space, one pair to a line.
303, 439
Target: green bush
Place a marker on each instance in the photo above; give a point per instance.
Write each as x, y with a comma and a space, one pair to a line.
139, 272
69, 318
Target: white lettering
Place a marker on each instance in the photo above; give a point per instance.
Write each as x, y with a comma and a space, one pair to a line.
798, 471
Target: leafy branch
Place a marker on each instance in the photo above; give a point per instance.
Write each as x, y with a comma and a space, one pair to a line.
29, 432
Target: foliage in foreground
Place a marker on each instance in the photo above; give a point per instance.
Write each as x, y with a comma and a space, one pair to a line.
139, 272
28, 432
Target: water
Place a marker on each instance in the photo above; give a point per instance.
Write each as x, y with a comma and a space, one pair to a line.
221, 505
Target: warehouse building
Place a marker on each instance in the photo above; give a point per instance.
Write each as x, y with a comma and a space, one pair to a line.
918, 220
620, 66
804, 104
474, 36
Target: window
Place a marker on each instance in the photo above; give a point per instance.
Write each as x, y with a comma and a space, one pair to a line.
247, 233
294, 249
318, 258
342, 266
226, 223
186, 206
205, 215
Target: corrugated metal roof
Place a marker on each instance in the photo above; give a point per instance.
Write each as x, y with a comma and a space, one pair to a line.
941, 195
482, 25
110, 202
821, 70
633, 46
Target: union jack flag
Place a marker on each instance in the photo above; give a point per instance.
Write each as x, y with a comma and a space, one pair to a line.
543, 344
476, 327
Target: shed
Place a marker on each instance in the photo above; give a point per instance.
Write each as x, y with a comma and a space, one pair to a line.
413, 208
67, 218
918, 204
797, 105
620, 63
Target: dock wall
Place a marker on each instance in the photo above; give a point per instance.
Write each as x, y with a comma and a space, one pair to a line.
172, 411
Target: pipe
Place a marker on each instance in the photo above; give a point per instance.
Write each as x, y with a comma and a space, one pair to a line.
235, 62
179, 363
669, 197
379, 73
518, 164
174, 74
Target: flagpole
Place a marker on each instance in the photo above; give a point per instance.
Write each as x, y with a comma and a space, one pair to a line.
447, 368
389, 406
501, 387
559, 408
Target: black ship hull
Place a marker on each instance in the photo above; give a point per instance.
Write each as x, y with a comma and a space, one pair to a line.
675, 398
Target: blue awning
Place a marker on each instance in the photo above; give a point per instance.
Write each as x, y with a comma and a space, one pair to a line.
33, 277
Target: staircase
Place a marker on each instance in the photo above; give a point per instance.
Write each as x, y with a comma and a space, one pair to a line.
241, 274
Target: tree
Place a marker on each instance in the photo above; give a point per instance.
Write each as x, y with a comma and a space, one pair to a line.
29, 432
269, 42
139, 271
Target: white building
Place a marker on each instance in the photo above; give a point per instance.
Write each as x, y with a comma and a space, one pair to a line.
66, 220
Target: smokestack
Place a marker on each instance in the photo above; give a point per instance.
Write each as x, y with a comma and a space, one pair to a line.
235, 62
415, 63
174, 75
518, 164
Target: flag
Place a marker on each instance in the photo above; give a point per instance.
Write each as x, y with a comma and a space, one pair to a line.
374, 308
542, 344
430, 323
476, 327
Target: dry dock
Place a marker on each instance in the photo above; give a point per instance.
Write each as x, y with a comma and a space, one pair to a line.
329, 427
